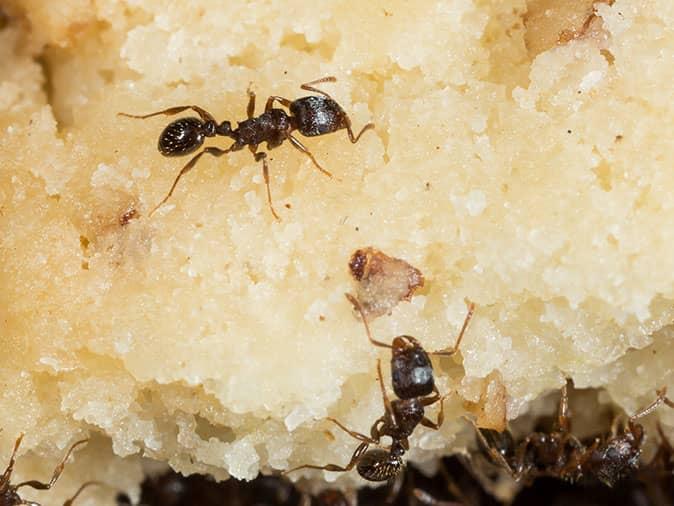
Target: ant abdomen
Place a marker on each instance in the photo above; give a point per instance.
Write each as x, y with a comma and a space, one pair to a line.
379, 465
317, 115
182, 137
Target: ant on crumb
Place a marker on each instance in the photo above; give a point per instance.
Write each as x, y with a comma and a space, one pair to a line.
559, 454
311, 116
9, 495
413, 383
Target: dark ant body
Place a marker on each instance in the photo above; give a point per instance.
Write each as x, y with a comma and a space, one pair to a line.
9, 495
311, 116
560, 454
413, 383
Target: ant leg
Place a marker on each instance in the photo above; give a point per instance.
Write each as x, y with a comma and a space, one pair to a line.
265, 173
359, 308
353, 433
387, 402
270, 102
333, 467
250, 110
427, 401
428, 499
57, 471
451, 351
563, 419
441, 417
496, 456
70, 501
299, 146
353, 138
309, 86
203, 114
188, 166
12, 459
660, 399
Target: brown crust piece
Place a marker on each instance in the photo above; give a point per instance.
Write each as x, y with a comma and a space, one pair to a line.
382, 281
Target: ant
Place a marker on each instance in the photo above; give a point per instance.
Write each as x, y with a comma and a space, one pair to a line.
561, 455
9, 495
311, 116
413, 383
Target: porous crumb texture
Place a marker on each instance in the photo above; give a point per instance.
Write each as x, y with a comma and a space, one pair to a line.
522, 159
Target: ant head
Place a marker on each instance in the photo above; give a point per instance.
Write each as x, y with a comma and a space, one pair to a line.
182, 137
224, 128
616, 458
380, 465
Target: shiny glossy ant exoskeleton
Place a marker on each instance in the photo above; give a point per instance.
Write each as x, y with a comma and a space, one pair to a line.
560, 454
9, 495
311, 116
413, 383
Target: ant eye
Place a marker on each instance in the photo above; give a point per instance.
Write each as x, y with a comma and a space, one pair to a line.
181, 137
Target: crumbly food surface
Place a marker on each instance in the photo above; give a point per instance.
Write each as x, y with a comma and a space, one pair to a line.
521, 159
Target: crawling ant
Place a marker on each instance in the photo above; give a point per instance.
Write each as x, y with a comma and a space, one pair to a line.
413, 383
9, 495
560, 454
311, 116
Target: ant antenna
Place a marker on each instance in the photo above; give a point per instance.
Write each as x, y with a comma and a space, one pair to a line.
359, 308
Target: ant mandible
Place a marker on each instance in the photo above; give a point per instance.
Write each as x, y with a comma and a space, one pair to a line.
413, 383
9, 495
560, 454
311, 116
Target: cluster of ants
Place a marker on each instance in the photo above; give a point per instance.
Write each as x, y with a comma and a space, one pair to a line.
557, 453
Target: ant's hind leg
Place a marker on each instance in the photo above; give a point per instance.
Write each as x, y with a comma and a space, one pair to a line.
188, 166
309, 86
333, 467
451, 351
12, 459
298, 145
58, 470
265, 173
203, 114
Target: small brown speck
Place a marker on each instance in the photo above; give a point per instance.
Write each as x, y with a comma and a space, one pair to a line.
357, 229
321, 318
127, 217
288, 206
618, 138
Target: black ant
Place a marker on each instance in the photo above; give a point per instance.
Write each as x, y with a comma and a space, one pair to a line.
413, 383
560, 454
9, 495
311, 116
